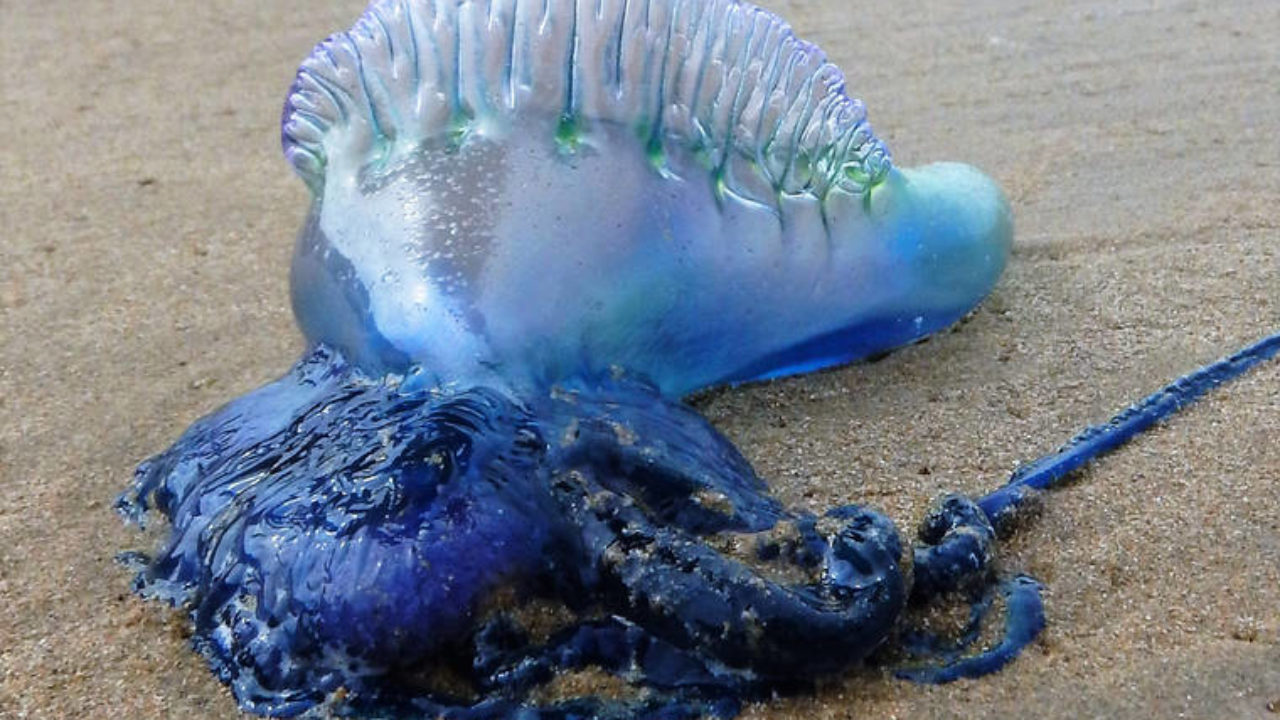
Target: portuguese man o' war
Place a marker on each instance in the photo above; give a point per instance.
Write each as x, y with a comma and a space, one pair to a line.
535, 226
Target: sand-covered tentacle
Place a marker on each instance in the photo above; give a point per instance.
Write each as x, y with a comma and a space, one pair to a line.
634, 441
812, 619
1024, 620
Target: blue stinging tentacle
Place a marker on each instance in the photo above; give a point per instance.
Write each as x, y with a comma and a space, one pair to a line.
291, 502
957, 537
612, 644
922, 643
643, 445
956, 547
682, 590
1101, 439
646, 479
1024, 619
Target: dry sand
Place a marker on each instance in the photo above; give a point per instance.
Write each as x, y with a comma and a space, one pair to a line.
147, 220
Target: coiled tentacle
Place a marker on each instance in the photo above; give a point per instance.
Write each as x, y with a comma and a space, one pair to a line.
1024, 619
955, 554
684, 591
957, 538
660, 515
955, 548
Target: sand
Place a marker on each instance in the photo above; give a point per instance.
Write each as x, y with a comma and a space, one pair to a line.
147, 220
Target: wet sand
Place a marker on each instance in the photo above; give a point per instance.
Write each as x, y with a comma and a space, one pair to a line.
148, 219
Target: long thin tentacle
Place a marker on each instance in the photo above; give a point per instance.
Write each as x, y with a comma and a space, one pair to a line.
1098, 440
1024, 619
956, 541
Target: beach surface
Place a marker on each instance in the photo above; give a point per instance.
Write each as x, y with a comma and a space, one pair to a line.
147, 221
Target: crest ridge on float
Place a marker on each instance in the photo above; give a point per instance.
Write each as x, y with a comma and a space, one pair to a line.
763, 112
